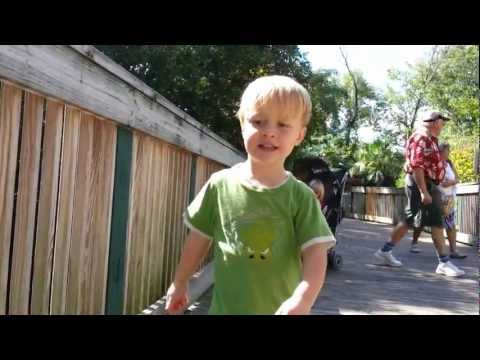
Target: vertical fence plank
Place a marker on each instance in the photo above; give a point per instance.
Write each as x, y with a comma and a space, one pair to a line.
47, 208
104, 168
176, 207
79, 261
146, 238
181, 203
186, 194
130, 255
23, 242
10, 111
119, 224
193, 177
139, 223
163, 218
169, 217
175, 190
63, 237
155, 238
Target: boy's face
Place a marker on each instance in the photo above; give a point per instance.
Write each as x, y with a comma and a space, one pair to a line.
319, 190
269, 135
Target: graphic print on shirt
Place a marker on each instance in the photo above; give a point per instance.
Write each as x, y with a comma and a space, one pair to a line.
257, 237
253, 236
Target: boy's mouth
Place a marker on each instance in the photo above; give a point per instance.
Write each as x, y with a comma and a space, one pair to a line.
268, 147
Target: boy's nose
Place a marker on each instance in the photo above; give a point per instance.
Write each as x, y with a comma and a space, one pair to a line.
269, 131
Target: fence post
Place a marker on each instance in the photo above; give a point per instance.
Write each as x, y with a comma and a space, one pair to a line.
118, 237
365, 203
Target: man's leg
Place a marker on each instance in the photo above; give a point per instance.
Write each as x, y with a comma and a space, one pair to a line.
384, 255
439, 242
398, 233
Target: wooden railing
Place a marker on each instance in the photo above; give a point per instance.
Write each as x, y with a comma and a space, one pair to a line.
385, 205
96, 169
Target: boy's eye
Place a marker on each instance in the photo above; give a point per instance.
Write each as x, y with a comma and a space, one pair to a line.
284, 125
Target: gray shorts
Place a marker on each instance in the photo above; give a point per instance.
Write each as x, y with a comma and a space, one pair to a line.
418, 214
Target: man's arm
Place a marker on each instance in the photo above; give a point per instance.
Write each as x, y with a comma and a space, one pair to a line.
419, 177
314, 269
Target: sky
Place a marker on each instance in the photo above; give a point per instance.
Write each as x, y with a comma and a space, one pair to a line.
372, 60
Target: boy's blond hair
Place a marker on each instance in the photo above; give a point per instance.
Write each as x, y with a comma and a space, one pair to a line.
276, 91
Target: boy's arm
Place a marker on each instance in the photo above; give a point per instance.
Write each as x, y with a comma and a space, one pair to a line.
195, 248
457, 178
314, 269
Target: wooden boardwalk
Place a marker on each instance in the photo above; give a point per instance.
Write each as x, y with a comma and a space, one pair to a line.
414, 289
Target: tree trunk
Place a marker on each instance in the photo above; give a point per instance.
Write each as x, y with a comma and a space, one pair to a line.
353, 119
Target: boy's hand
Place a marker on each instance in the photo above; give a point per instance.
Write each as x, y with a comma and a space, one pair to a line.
314, 267
177, 299
448, 183
294, 305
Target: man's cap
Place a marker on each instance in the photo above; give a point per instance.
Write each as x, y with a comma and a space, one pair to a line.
435, 116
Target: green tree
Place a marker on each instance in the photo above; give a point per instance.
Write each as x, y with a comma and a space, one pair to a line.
377, 164
327, 96
455, 89
330, 147
410, 97
340, 107
359, 103
207, 81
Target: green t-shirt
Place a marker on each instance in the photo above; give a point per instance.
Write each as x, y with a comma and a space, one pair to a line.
258, 234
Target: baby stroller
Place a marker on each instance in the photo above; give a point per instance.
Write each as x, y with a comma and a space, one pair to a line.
334, 181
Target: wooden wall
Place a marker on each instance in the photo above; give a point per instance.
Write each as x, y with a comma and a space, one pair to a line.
64, 246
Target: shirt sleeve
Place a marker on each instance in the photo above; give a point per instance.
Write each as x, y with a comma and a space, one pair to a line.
200, 214
418, 153
310, 224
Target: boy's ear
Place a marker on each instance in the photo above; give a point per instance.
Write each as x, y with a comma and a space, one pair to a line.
301, 136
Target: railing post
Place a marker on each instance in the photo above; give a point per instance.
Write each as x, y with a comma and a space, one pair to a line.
118, 237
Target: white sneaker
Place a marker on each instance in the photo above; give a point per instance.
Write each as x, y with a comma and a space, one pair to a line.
448, 269
387, 258
414, 249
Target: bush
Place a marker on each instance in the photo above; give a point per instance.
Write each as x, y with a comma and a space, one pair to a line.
376, 164
400, 182
463, 160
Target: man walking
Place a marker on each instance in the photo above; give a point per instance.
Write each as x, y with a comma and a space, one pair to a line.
424, 170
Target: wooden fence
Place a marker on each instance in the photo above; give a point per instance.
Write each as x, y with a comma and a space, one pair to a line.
385, 205
96, 170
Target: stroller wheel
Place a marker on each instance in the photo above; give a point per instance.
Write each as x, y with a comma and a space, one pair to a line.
335, 261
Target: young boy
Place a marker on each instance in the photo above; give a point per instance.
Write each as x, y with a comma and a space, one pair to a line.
318, 188
269, 233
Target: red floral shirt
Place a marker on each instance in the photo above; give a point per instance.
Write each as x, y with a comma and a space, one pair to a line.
421, 151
